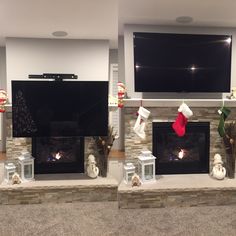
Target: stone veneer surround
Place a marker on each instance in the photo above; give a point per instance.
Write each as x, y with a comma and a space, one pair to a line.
133, 144
162, 111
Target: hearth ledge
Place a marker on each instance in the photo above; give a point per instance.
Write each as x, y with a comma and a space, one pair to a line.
62, 181
182, 182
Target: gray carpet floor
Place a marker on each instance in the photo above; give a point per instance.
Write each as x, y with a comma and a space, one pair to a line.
104, 218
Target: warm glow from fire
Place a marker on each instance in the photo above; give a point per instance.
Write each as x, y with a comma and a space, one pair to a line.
58, 156
181, 154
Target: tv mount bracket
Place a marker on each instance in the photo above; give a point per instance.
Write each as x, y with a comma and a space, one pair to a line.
55, 76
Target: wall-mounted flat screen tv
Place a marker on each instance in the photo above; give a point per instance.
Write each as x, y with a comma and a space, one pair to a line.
67, 108
165, 62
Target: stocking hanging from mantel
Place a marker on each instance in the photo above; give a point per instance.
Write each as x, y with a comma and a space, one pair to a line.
139, 127
184, 113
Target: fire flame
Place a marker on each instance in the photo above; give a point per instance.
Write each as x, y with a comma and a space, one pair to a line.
58, 156
181, 154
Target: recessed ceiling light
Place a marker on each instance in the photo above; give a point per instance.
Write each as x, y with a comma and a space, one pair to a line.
184, 19
59, 33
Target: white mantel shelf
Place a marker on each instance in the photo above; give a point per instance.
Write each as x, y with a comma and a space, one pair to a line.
136, 102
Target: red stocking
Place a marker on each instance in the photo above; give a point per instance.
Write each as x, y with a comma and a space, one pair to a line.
179, 124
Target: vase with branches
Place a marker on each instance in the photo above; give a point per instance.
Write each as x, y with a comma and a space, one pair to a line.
230, 149
104, 145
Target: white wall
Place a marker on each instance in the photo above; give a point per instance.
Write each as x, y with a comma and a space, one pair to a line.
129, 57
2, 67
121, 59
89, 59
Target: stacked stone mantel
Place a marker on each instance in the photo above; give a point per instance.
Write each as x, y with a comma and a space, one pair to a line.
205, 110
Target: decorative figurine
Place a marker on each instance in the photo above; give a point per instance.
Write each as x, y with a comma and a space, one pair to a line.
92, 169
121, 94
233, 93
218, 171
3, 100
16, 178
135, 180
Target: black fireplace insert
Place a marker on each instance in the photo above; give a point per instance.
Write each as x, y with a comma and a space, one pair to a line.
181, 155
58, 154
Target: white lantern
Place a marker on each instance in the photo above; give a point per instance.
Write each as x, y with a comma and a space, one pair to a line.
10, 169
26, 162
146, 166
129, 170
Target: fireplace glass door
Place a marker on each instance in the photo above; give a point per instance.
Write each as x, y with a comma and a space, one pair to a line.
58, 154
181, 155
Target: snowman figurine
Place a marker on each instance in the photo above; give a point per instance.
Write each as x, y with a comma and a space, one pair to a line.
218, 171
92, 169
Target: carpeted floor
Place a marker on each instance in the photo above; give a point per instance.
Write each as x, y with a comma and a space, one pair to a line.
104, 218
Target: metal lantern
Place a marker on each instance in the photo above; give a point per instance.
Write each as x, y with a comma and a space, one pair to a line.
129, 170
10, 169
26, 162
146, 166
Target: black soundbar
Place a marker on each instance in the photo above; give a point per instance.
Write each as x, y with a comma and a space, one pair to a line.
55, 76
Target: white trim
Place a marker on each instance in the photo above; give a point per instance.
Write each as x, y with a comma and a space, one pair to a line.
114, 114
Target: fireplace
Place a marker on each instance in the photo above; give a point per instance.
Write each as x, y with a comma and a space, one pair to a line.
181, 155
58, 154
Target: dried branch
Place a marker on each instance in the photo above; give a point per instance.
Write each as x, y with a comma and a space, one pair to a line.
105, 143
229, 142
230, 136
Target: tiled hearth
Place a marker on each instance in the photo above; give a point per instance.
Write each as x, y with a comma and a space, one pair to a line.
58, 188
179, 191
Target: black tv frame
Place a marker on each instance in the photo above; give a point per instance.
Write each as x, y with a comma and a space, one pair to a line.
81, 130
145, 74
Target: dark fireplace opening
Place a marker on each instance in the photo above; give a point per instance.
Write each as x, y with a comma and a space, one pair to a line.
58, 154
181, 155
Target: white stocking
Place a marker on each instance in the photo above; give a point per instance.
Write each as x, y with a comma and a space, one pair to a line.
139, 127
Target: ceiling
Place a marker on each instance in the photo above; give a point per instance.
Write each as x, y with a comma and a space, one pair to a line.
164, 12
81, 19
99, 19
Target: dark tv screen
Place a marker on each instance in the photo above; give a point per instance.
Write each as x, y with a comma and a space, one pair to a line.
166, 62
59, 109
